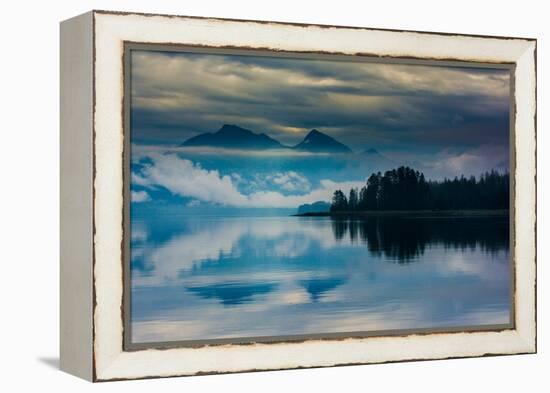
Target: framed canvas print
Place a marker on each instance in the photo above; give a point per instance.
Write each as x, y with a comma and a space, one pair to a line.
246, 195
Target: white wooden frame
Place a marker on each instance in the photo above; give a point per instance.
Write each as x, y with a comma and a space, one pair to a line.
92, 195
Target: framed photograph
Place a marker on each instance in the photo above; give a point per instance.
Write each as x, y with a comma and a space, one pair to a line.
246, 195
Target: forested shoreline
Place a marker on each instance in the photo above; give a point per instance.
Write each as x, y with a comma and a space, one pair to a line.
404, 188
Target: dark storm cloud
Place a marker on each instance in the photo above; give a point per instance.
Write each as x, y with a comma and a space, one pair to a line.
389, 106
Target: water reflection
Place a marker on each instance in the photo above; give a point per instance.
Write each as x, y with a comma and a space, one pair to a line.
317, 288
200, 278
232, 293
403, 239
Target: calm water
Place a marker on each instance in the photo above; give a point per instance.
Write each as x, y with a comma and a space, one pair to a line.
211, 277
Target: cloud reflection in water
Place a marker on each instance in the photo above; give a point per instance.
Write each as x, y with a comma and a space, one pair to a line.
205, 278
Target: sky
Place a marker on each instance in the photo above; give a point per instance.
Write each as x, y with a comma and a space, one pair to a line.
442, 120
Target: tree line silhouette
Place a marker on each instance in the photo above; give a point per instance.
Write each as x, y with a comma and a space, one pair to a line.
407, 189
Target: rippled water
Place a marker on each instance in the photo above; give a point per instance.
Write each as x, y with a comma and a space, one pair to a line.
197, 278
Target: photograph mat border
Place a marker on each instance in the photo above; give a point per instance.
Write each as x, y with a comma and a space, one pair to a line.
127, 98
111, 362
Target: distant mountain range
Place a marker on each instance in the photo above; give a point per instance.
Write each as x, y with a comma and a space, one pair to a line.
234, 137
231, 136
378, 160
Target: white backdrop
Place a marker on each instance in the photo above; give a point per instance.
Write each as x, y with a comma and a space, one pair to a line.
29, 195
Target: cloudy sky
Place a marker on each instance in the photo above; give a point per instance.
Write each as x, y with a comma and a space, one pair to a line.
445, 121
387, 106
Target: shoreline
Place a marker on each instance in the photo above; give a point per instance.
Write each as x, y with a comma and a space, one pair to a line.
410, 213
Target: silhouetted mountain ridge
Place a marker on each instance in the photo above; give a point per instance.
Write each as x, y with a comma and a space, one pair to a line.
316, 141
234, 137
231, 136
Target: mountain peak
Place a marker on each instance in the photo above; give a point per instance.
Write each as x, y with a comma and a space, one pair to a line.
378, 161
314, 132
231, 136
316, 141
233, 129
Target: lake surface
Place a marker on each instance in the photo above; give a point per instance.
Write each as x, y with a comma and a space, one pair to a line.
195, 278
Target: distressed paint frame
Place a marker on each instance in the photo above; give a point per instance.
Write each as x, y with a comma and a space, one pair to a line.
109, 361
